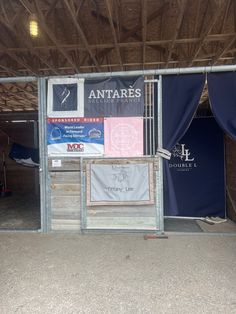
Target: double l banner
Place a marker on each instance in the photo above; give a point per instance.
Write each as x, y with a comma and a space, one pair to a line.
197, 172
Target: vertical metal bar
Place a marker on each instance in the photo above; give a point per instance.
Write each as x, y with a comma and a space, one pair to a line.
149, 117
160, 181
36, 145
83, 219
145, 120
153, 118
43, 178
157, 205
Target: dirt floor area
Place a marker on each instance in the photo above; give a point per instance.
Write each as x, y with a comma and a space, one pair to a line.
19, 212
59, 273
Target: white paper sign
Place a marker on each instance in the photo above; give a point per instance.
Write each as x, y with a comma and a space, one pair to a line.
56, 163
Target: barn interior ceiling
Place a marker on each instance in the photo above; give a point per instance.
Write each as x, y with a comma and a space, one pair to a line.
80, 36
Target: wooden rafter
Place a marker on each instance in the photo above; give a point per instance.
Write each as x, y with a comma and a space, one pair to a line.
132, 33
14, 94
144, 28
23, 89
217, 46
207, 31
43, 24
177, 29
224, 50
15, 32
20, 61
117, 48
53, 37
81, 33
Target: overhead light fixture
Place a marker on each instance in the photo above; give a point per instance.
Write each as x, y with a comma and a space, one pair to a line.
33, 26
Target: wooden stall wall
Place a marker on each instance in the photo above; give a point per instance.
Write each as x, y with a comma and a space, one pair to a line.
64, 183
20, 179
65, 202
124, 217
230, 151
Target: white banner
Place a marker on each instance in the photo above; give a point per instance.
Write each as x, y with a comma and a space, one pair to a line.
120, 183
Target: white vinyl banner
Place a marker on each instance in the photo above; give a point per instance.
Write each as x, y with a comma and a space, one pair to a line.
120, 184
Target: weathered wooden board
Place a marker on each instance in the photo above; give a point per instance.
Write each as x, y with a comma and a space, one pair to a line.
65, 200
129, 223
74, 164
65, 225
67, 164
121, 211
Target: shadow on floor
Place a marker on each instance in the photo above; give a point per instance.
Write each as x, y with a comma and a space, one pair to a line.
187, 225
19, 212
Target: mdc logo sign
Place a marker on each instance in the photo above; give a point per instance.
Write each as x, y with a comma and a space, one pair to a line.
75, 147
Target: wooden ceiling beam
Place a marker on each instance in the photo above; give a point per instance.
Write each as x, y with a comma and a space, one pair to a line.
27, 115
151, 43
8, 70
31, 94
15, 94
46, 29
29, 46
206, 32
226, 12
19, 61
81, 33
117, 48
132, 33
51, 8
223, 51
126, 34
177, 29
144, 29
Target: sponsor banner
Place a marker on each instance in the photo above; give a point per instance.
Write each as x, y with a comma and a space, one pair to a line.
197, 171
119, 183
75, 136
123, 137
114, 97
65, 97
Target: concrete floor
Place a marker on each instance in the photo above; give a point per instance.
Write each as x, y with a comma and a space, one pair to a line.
65, 274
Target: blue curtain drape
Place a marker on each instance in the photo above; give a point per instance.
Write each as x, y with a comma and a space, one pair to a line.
222, 94
181, 95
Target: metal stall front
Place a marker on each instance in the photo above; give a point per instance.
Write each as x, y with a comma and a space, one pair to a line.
64, 180
76, 200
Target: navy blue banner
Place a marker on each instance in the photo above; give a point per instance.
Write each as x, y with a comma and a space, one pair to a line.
221, 87
114, 97
197, 172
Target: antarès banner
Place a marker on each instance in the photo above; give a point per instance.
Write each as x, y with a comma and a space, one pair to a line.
114, 97
75, 136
